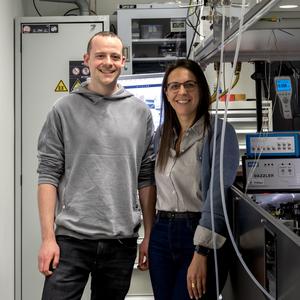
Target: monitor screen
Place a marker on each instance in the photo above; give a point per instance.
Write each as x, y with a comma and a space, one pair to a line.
146, 87
283, 85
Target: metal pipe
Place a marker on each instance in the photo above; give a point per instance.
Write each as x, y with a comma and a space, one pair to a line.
83, 7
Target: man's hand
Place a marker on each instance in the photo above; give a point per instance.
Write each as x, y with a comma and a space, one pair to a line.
147, 196
48, 257
49, 251
143, 255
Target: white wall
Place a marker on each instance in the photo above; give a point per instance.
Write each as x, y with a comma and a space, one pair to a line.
9, 10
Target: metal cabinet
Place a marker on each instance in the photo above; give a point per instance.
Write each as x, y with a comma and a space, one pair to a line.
45, 47
270, 250
153, 35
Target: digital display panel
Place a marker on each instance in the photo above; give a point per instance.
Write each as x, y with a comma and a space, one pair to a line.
146, 87
283, 85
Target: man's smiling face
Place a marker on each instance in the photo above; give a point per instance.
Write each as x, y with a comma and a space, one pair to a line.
105, 61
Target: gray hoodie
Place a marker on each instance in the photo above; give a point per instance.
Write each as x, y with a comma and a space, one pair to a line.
97, 151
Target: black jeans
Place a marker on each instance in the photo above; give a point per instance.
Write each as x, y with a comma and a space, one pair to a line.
110, 263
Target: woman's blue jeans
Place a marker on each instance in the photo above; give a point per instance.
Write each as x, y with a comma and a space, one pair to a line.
170, 253
110, 263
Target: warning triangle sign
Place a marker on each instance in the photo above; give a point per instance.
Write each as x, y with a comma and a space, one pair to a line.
61, 87
76, 84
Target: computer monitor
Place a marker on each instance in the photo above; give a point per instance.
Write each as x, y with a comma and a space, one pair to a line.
146, 87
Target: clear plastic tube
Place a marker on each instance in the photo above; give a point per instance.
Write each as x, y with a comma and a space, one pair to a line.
239, 36
213, 163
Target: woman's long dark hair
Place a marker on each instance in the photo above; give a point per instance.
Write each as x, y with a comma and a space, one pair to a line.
169, 117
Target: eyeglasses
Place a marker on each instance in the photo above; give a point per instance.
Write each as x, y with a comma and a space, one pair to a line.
189, 86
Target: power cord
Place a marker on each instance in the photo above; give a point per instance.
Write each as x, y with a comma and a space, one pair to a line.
36, 9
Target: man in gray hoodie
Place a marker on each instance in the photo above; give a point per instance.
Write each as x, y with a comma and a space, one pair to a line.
94, 155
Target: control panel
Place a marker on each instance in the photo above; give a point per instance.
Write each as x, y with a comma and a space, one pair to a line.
271, 174
273, 144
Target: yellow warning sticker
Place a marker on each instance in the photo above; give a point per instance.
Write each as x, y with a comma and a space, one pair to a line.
76, 84
61, 87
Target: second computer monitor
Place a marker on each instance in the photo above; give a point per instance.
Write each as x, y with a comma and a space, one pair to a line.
146, 87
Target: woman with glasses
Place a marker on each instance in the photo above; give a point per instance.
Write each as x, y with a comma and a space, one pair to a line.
181, 256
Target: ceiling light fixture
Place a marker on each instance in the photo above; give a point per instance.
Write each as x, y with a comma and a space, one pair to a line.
286, 6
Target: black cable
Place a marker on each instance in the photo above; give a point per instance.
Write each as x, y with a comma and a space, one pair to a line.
197, 14
294, 68
73, 9
191, 45
187, 20
189, 23
113, 28
70, 10
33, 1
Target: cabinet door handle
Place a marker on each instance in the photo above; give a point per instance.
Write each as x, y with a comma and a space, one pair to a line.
126, 53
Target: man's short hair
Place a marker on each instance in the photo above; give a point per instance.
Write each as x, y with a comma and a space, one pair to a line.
104, 34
